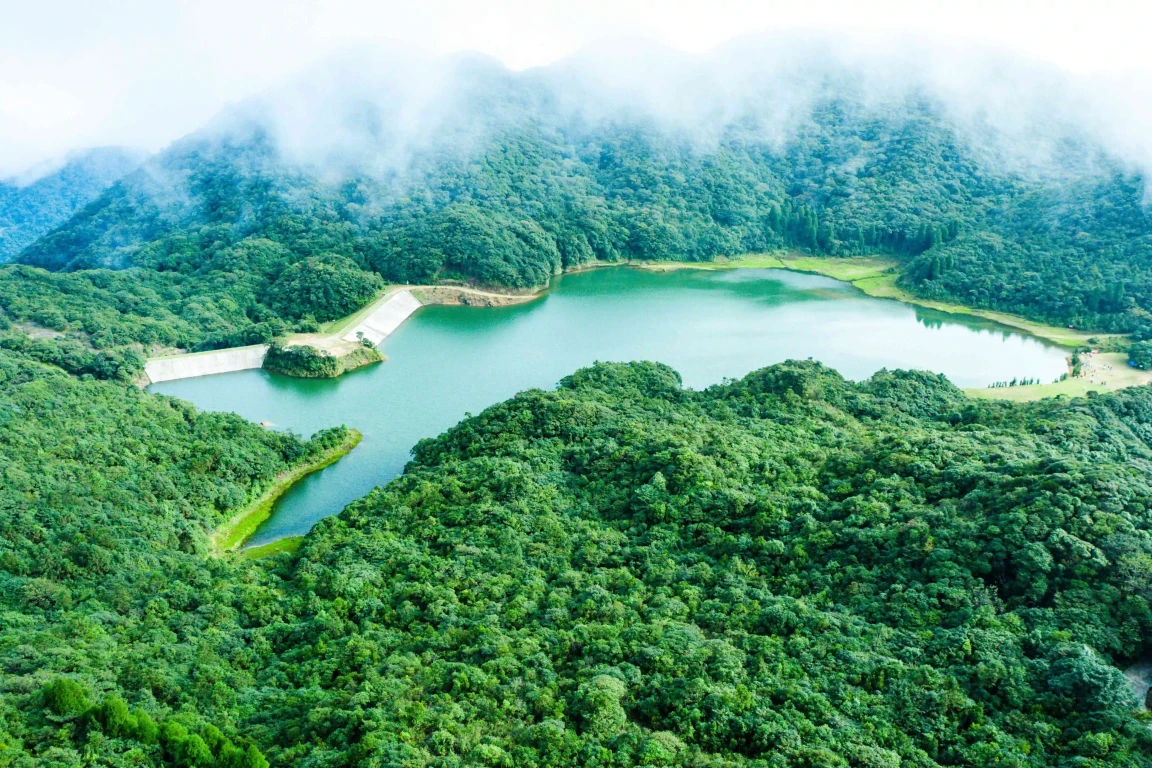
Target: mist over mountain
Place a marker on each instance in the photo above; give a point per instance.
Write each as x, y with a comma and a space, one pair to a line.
791, 570
977, 172
36, 203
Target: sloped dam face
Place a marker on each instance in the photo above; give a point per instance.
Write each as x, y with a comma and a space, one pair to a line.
445, 361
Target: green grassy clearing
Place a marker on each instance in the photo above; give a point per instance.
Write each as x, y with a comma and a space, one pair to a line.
1105, 372
287, 544
1067, 388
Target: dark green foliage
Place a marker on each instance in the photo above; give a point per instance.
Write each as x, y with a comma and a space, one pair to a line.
28, 211
468, 241
115, 467
258, 333
107, 497
758, 571
114, 718
115, 364
302, 360
1140, 355
147, 732
118, 308
227, 225
206, 309
311, 363
788, 570
65, 697
323, 287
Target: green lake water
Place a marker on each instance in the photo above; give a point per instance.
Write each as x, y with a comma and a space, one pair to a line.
449, 360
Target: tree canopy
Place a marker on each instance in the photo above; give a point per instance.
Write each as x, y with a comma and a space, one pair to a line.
789, 570
323, 287
508, 188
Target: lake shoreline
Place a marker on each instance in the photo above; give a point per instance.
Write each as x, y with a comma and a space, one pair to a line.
450, 362
231, 535
875, 276
337, 336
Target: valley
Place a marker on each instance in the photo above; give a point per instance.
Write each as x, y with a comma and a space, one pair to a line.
787, 405
447, 360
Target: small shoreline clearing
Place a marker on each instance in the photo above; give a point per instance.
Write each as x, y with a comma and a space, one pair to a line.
232, 534
1101, 372
277, 547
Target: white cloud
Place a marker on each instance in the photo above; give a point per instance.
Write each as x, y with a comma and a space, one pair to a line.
144, 72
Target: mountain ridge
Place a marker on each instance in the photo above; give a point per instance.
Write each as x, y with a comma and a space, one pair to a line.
502, 178
31, 207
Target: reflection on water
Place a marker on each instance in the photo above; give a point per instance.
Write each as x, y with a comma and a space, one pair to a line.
446, 361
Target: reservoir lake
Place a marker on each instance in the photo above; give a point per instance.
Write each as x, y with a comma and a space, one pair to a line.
447, 361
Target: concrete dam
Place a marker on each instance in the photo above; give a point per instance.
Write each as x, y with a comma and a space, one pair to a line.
375, 327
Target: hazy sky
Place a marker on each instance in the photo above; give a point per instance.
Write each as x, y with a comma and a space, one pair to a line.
77, 73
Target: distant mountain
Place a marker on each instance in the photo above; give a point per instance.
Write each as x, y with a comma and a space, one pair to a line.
988, 194
28, 210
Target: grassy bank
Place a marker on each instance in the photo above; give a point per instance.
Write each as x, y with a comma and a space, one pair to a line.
342, 325
876, 276
1068, 388
237, 530
1105, 372
884, 287
287, 544
203, 353
750, 261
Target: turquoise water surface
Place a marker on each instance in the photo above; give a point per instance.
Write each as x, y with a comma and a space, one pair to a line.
446, 361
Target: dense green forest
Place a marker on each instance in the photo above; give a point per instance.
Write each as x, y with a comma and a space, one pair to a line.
308, 362
790, 570
225, 237
107, 497
1140, 355
787, 570
29, 210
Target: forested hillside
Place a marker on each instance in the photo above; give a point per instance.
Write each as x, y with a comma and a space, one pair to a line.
107, 497
503, 179
30, 210
788, 570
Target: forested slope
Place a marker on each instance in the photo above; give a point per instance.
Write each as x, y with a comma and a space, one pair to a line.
29, 210
788, 570
107, 498
502, 179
